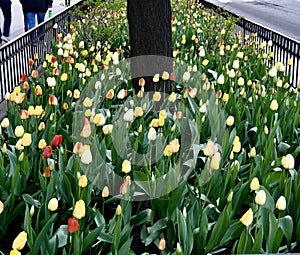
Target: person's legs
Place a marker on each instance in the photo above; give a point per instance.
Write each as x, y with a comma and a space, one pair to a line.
29, 20
6, 9
40, 17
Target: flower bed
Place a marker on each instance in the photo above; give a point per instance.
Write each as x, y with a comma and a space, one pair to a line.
88, 167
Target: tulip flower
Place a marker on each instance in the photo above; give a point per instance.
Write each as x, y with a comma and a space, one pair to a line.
47, 152
5, 123
247, 218
82, 181
88, 102
215, 161
99, 119
73, 225
105, 192
260, 197
76, 94
57, 140
281, 203
51, 81
23, 114
86, 130
86, 157
52, 100
254, 185
19, 131
129, 115
1, 207
165, 76
288, 161
162, 244
156, 78
119, 210
15, 252
20, 241
274, 105
142, 82
122, 94
230, 121
79, 209
47, 172
53, 204
23, 78
210, 149
26, 140
126, 166
151, 134
138, 111
236, 144
221, 79
110, 94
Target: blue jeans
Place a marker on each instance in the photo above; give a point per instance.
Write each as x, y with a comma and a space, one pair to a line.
5, 5
29, 19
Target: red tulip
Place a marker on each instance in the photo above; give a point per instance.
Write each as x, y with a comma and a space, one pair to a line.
73, 225
56, 141
47, 152
53, 59
23, 114
30, 62
47, 172
23, 77
52, 100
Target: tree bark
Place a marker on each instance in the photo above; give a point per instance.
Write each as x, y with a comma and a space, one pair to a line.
150, 35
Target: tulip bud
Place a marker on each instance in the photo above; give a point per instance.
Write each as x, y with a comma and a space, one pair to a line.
260, 197
252, 152
247, 218
31, 212
119, 210
281, 203
162, 244
254, 185
1, 207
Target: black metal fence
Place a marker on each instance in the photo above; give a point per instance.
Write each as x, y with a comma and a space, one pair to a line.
15, 54
284, 48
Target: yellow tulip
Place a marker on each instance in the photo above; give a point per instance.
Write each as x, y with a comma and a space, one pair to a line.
26, 140
254, 185
247, 218
20, 241
82, 181
126, 166
79, 209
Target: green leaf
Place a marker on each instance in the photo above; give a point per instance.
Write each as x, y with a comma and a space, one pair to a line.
90, 238
218, 230
155, 230
29, 200
283, 148
286, 225
43, 235
144, 216
245, 242
61, 236
258, 241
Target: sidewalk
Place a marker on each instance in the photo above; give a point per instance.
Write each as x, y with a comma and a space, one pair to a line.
17, 25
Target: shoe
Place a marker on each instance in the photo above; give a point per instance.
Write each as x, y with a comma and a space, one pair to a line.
5, 38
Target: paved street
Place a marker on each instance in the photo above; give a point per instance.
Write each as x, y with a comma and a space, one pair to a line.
279, 15
17, 26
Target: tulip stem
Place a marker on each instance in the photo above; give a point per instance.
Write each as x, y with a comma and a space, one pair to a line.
256, 224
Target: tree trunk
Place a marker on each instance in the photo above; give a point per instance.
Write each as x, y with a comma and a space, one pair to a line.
150, 42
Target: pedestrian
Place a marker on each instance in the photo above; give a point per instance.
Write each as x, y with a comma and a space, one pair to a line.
67, 2
33, 9
5, 6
